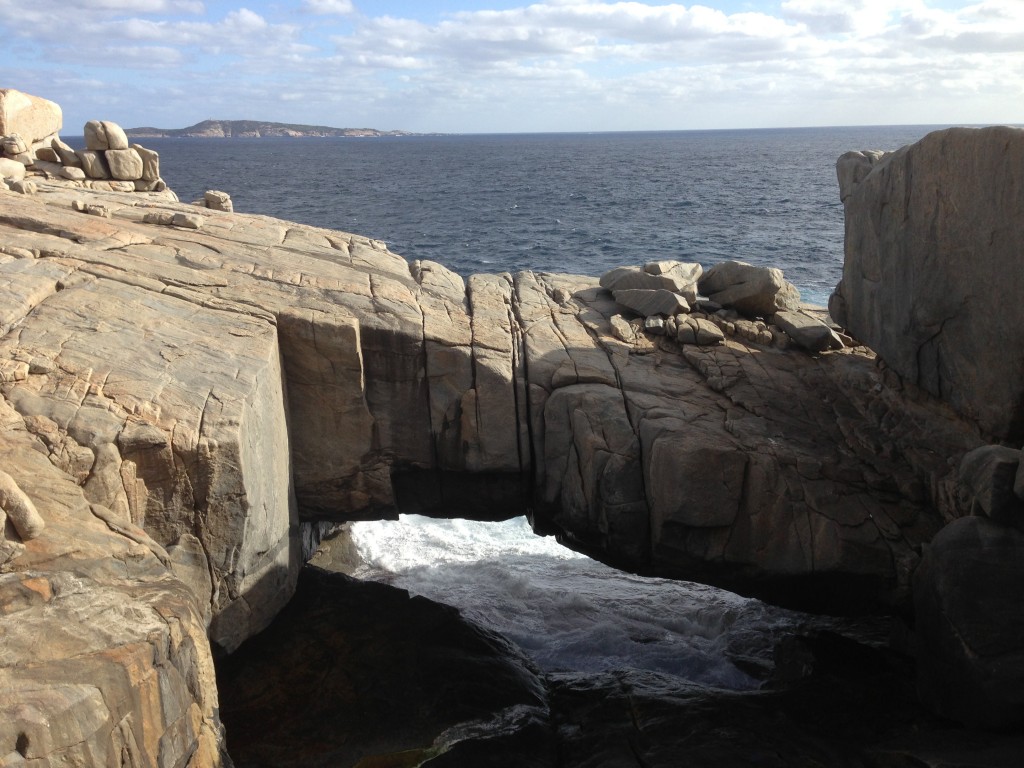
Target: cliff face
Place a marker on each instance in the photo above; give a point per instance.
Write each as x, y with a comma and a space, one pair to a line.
184, 386
933, 249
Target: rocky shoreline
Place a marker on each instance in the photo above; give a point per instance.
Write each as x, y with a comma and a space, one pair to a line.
186, 390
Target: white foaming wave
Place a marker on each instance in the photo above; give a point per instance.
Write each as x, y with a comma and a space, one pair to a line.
422, 541
568, 612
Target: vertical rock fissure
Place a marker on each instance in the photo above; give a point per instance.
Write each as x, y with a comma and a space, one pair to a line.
518, 362
520, 329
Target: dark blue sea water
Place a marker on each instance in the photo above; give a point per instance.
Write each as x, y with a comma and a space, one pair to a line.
579, 203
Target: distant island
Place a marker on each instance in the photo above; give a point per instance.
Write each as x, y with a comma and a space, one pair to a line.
229, 129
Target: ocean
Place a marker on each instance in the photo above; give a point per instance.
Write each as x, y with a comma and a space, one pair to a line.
576, 203
573, 203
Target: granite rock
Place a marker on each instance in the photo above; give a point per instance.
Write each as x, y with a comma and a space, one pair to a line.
928, 255
751, 290
32, 117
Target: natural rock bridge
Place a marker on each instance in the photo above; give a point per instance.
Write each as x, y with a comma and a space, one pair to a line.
179, 394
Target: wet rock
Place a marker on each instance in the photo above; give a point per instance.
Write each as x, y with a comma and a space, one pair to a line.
969, 606
359, 673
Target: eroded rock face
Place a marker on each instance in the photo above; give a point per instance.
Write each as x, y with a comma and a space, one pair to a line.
105, 658
932, 273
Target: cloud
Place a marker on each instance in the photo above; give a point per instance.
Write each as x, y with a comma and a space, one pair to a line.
329, 7
541, 65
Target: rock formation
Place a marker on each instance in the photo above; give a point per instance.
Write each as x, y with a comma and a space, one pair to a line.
181, 388
932, 247
29, 127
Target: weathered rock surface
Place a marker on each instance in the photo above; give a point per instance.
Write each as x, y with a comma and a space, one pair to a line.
932, 277
104, 658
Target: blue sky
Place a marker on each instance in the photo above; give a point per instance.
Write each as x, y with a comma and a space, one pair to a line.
507, 65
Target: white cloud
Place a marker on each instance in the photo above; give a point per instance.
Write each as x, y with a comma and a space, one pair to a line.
543, 65
329, 7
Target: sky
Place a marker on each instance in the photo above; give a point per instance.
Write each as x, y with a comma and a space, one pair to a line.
457, 66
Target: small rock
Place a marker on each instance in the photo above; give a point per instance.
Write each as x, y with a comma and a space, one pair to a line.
11, 169
24, 187
103, 135
676, 279
14, 145
164, 218
988, 483
150, 162
51, 170
753, 291
621, 329
47, 154
71, 173
98, 210
187, 220
698, 330
65, 154
218, 201
655, 325
806, 332
651, 302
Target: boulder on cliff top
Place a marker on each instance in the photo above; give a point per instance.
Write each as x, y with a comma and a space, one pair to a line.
32, 117
808, 332
751, 290
934, 268
675, 276
101, 135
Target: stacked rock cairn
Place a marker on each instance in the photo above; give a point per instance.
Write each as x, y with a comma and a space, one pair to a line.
108, 161
733, 298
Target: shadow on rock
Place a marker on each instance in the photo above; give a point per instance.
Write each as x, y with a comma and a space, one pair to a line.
361, 674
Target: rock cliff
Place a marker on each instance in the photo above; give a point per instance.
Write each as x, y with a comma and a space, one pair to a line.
183, 387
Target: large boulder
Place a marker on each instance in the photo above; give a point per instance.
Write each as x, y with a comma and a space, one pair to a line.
934, 268
675, 276
808, 332
102, 135
11, 169
651, 302
751, 290
32, 117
